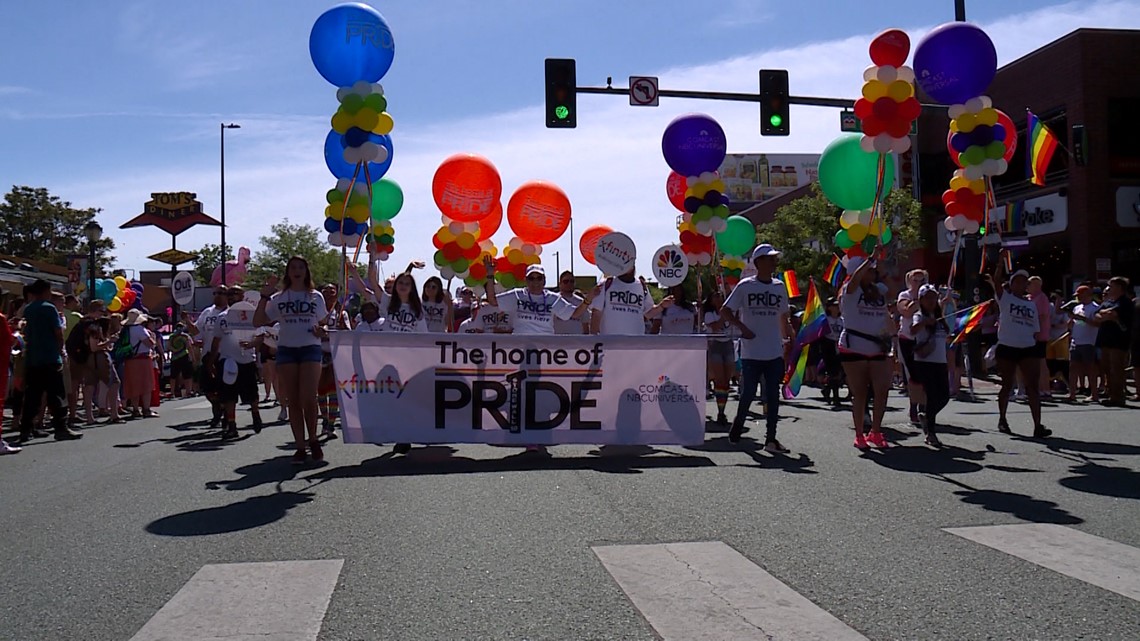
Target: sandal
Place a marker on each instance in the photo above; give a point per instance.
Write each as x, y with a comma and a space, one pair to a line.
1003, 427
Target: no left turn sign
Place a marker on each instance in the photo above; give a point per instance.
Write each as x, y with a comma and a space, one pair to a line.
643, 91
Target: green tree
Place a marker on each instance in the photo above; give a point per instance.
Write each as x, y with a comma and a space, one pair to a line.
804, 230
286, 240
209, 257
39, 226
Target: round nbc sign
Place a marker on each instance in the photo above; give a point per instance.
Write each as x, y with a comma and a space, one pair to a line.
670, 266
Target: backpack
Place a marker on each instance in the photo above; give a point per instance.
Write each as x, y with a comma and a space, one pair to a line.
76, 343
123, 348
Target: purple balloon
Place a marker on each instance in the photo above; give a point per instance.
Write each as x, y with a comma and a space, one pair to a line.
956, 61
960, 142
982, 135
693, 144
712, 198
725, 200
692, 204
999, 132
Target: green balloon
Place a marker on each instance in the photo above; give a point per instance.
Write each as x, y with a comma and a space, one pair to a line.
460, 265
995, 150
843, 240
869, 244
848, 175
352, 103
738, 237
376, 102
975, 155
387, 199
334, 195
887, 235
385, 239
439, 258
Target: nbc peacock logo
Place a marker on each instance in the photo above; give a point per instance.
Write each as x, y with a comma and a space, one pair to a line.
670, 258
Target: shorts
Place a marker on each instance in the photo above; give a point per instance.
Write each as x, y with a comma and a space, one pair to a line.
244, 387
1084, 354
182, 367
906, 347
1057, 351
266, 354
298, 355
1016, 354
1038, 349
720, 353
856, 357
208, 383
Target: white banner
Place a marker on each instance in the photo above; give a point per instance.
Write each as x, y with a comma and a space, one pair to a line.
508, 389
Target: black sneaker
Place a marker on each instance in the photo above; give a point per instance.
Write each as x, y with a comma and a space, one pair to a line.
735, 431
1003, 427
257, 426
315, 448
1042, 432
299, 456
721, 419
402, 448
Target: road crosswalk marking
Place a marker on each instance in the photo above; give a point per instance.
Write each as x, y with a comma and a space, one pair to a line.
275, 601
709, 591
1085, 557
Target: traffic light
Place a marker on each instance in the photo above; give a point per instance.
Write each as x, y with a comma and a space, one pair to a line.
774, 116
561, 94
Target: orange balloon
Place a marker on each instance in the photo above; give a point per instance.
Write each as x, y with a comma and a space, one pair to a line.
538, 212
466, 188
589, 241
489, 225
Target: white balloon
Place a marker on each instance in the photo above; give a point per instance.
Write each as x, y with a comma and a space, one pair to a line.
692, 180
974, 105
336, 239
865, 217
883, 143
342, 93
971, 227
888, 74
989, 167
974, 172
870, 73
342, 185
686, 217
378, 88
956, 111
986, 102
704, 228
948, 223
906, 74
528, 249
515, 243
362, 87
850, 217
959, 173
900, 145
446, 273
455, 228
382, 256
360, 187
538, 250
352, 240
708, 177
867, 144
1002, 166
352, 155
718, 224
381, 154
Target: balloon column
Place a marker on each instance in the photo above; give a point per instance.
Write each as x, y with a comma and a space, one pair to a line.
694, 147
467, 189
856, 181
538, 213
351, 46
888, 106
735, 242
955, 63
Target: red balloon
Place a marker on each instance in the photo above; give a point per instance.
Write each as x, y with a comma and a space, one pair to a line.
478, 272
538, 212
910, 108
489, 225
452, 252
519, 271
963, 194
873, 126
436, 241
863, 108
589, 241
955, 208
890, 48
885, 108
898, 128
856, 251
675, 187
948, 196
502, 264
472, 252
1010, 134
466, 187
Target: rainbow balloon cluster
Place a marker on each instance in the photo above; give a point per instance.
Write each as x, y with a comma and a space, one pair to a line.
706, 204
694, 146
732, 267
467, 189
458, 248
381, 240
888, 106
347, 213
698, 248
860, 232
510, 268
119, 294
982, 138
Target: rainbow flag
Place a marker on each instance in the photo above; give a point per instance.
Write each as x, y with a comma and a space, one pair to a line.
791, 283
812, 325
1039, 151
835, 272
1013, 212
969, 322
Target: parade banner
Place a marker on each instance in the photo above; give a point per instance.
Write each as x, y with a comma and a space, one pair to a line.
515, 389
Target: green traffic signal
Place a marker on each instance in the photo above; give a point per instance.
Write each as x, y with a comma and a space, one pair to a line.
562, 112
776, 120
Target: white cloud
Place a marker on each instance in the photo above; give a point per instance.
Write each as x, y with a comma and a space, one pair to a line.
611, 166
182, 60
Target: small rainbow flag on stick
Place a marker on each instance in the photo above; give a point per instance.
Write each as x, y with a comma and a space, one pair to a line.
812, 325
969, 321
835, 272
1042, 144
791, 283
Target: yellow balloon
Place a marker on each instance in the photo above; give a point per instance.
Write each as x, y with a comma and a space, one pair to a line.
515, 256
874, 90
367, 119
465, 240
444, 234
848, 217
987, 116
697, 191
341, 122
115, 305
532, 259
978, 186
900, 90
717, 185
966, 123
876, 228
954, 126
359, 213
857, 232
384, 124
958, 182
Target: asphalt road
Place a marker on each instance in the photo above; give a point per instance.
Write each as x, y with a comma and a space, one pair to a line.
476, 542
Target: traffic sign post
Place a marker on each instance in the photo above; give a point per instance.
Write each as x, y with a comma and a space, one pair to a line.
643, 91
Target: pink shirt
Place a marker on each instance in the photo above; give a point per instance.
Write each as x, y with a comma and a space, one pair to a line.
1044, 312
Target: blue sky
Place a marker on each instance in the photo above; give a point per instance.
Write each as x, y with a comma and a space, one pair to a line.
105, 102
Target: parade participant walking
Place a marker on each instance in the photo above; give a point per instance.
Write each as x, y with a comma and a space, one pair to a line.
43, 364
237, 363
299, 309
678, 318
405, 314
438, 308
758, 308
829, 350
720, 356
1114, 338
204, 330
863, 349
336, 318
573, 326
1084, 362
7, 339
930, 331
181, 367
1017, 352
907, 304
533, 309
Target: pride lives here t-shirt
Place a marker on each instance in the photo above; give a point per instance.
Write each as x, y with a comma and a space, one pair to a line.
623, 306
761, 307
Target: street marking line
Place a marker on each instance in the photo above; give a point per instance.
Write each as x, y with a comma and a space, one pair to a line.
276, 601
1079, 555
709, 591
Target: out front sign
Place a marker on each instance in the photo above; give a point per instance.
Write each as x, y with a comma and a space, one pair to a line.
516, 389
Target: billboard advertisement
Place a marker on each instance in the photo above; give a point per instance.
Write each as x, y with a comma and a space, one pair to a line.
753, 178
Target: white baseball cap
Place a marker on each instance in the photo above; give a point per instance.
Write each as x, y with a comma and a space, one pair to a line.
1020, 272
763, 251
536, 269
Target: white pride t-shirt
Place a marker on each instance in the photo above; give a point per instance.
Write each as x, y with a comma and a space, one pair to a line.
572, 325
865, 316
937, 334
904, 327
298, 313
434, 315
471, 326
678, 320
364, 326
760, 306
623, 306
534, 313
405, 320
1083, 332
234, 327
1018, 323
208, 325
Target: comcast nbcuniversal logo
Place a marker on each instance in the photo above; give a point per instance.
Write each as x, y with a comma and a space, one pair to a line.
670, 258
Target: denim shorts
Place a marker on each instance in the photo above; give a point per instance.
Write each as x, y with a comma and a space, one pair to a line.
298, 355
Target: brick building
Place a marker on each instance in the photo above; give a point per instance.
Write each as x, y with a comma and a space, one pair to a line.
1085, 222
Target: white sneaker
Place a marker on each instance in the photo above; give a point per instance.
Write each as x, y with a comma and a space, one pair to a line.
8, 449
283, 415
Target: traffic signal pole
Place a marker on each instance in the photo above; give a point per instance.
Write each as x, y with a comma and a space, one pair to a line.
811, 101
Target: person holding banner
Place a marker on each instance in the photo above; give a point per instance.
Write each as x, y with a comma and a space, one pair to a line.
532, 309
622, 304
299, 309
720, 355
930, 331
678, 318
438, 308
574, 326
1017, 351
758, 307
405, 310
863, 349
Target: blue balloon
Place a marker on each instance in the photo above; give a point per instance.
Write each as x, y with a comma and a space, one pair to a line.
334, 158
956, 61
960, 142
999, 132
332, 225
712, 198
693, 144
351, 42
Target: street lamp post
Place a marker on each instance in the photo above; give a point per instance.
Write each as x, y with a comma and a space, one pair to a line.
93, 232
224, 127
